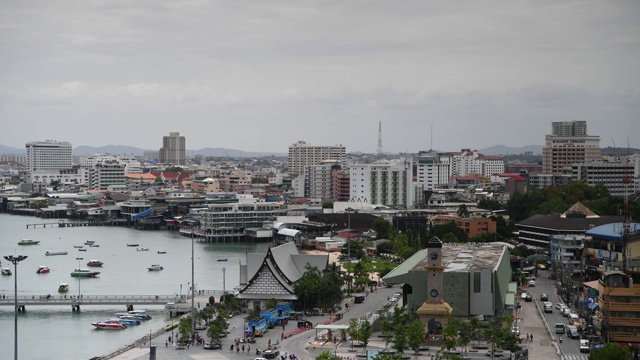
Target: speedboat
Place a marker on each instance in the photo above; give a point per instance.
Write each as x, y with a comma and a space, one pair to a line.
5, 271
222, 259
155, 267
94, 245
109, 326
123, 320
133, 245
89, 242
95, 263
143, 249
84, 273
161, 252
56, 253
64, 287
83, 249
42, 270
78, 246
28, 242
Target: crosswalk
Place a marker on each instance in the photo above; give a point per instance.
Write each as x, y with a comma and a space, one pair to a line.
575, 357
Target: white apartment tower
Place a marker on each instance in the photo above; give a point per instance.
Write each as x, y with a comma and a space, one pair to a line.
49, 155
173, 149
385, 182
568, 144
432, 169
302, 154
468, 162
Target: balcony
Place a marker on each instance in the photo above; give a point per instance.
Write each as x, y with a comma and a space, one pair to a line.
624, 322
620, 306
624, 337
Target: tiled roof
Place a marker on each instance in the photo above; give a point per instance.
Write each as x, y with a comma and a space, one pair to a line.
556, 222
579, 208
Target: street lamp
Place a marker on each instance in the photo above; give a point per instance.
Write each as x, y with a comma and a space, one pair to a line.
79, 279
15, 260
193, 318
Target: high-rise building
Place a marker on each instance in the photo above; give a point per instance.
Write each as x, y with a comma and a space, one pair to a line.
173, 149
302, 154
385, 182
49, 155
568, 144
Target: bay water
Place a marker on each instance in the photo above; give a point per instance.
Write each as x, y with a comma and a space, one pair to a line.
55, 331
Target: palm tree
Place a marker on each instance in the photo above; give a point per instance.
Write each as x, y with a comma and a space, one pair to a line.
463, 211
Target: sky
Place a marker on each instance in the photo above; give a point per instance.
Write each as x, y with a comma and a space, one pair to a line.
262, 75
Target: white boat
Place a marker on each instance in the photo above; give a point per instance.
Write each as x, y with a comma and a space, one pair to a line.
6, 271
89, 242
78, 246
155, 267
143, 249
28, 242
56, 253
109, 326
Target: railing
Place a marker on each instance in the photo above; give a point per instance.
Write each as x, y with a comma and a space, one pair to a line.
89, 299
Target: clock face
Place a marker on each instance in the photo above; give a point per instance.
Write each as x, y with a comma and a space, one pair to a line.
434, 293
434, 256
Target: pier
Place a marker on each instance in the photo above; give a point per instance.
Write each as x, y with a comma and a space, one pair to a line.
62, 223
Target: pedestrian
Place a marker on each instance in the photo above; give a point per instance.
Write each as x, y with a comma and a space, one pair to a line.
243, 349
231, 349
166, 344
282, 336
527, 337
531, 336
248, 348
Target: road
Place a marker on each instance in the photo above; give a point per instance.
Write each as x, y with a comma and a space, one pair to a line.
544, 285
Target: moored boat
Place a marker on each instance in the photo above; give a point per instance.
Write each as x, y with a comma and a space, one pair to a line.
127, 320
161, 252
95, 263
84, 273
28, 242
133, 245
64, 287
223, 259
143, 249
94, 245
155, 267
5, 271
56, 253
83, 249
43, 270
78, 246
89, 242
109, 326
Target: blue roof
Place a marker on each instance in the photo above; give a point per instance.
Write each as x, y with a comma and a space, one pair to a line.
611, 231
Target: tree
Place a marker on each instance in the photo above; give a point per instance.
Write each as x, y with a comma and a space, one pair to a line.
184, 329
449, 238
271, 303
611, 351
326, 355
415, 334
383, 228
463, 211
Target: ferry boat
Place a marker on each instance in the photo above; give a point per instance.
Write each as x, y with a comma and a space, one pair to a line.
64, 287
28, 242
5, 271
109, 326
56, 253
43, 270
84, 273
95, 263
155, 267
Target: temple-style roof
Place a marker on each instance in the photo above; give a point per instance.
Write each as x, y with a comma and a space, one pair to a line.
579, 210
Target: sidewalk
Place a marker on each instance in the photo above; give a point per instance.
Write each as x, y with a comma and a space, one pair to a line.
530, 322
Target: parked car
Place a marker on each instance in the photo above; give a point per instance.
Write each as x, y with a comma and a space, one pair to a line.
544, 297
529, 298
566, 311
559, 306
532, 283
212, 346
515, 330
315, 312
304, 324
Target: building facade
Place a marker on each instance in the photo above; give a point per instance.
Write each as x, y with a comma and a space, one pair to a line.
49, 155
173, 149
611, 174
568, 144
385, 182
302, 154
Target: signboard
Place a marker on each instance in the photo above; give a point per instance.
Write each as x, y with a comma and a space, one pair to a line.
593, 293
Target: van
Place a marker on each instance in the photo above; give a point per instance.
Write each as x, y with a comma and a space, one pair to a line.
560, 328
573, 319
548, 307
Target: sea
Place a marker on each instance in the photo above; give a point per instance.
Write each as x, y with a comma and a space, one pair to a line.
56, 331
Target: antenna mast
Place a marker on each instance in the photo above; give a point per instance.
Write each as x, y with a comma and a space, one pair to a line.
626, 226
380, 151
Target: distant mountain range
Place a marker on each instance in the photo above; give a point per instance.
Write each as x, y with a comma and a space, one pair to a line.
223, 152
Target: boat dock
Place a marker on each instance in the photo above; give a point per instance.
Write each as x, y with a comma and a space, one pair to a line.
63, 223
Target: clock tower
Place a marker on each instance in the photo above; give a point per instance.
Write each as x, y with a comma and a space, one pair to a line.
434, 310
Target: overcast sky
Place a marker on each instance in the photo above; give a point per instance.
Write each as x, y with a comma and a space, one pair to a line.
261, 75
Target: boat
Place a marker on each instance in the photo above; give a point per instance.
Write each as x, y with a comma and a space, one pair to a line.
56, 253
161, 252
89, 242
155, 267
109, 326
42, 270
143, 249
78, 246
28, 242
133, 245
123, 320
5, 271
141, 316
134, 314
84, 273
95, 263
82, 249
64, 287
223, 259
94, 245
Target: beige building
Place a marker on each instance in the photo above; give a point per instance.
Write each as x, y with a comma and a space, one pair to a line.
568, 144
302, 154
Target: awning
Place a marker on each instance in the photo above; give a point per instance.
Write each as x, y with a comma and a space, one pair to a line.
592, 305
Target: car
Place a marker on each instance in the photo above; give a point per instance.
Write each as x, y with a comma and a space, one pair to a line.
271, 353
584, 345
523, 296
358, 299
304, 324
315, 312
529, 298
498, 353
566, 311
532, 283
515, 331
559, 306
572, 332
544, 297
212, 346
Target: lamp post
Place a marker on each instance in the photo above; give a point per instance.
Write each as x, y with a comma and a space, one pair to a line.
79, 278
193, 319
15, 260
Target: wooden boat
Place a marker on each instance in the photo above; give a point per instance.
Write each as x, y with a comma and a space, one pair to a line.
109, 326
5, 271
84, 273
95, 263
28, 242
64, 287
43, 270
155, 267
56, 253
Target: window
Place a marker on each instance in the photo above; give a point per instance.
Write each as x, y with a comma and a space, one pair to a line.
476, 282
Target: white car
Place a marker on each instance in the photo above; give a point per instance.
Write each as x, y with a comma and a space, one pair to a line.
559, 306
532, 283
